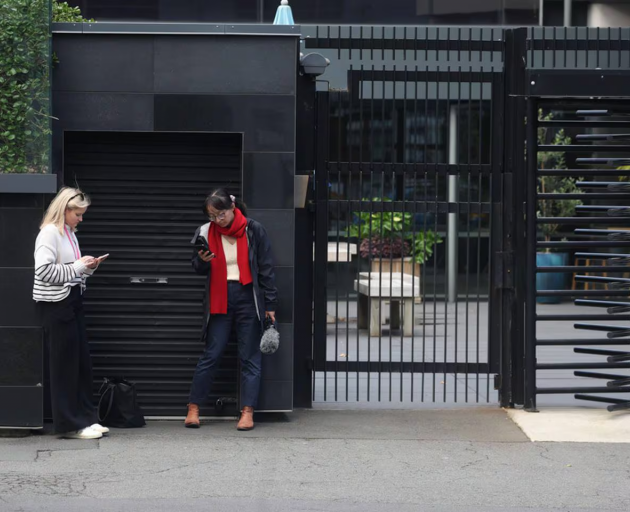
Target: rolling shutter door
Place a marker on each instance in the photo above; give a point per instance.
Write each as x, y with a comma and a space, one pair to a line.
144, 306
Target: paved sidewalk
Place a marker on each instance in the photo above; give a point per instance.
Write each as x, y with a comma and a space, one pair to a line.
350, 461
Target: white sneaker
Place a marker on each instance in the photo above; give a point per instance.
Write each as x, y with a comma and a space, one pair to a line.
99, 428
85, 433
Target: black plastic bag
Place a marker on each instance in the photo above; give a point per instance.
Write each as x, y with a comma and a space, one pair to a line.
118, 405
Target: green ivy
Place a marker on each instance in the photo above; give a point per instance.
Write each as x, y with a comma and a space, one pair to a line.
25, 69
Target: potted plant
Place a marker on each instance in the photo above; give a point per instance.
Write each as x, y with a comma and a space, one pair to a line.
389, 242
553, 208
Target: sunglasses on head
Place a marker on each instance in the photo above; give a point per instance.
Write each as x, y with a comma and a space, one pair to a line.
81, 195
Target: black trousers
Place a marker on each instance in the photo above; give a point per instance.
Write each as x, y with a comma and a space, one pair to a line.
69, 360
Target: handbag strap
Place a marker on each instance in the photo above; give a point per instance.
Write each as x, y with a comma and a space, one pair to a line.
110, 388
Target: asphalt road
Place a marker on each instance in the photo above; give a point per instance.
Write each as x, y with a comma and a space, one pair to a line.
329, 461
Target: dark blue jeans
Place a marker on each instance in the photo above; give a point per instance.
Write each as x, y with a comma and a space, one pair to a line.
241, 314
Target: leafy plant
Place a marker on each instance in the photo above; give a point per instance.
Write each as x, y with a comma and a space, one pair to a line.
391, 235
62, 12
25, 66
555, 184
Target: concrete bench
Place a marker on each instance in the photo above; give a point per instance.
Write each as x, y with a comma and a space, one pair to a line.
376, 289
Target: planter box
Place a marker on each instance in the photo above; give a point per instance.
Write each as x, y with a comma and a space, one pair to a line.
28, 183
396, 266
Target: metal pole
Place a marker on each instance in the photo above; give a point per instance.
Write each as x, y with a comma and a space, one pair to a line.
567, 12
530, 300
453, 197
541, 12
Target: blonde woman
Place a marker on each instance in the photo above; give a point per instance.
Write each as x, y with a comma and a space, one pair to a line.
60, 276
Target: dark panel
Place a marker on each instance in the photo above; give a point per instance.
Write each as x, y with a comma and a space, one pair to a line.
276, 395
22, 201
284, 283
219, 65
279, 226
18, 230
279, 366
21, 407
21, 356
303, 309
102, 111
305, 120
268, 180
103, 63
17, 307
267, 121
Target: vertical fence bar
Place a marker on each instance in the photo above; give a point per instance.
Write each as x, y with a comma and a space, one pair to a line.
425, 210
468, 198
358, 241
371, 203
380, 235
392, 165
436, 205
479, 214
450, 283
321, 235
415, 148
403, 310
337, 241
349, 218
530, 308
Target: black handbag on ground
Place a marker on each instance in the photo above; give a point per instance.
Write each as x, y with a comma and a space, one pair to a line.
118, 405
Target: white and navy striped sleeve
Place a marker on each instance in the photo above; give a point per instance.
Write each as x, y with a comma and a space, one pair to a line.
46, 267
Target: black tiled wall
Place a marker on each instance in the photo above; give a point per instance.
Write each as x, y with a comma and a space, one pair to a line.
21, 349
244, 84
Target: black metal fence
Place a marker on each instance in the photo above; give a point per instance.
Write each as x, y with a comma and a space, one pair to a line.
423, 218
409, 165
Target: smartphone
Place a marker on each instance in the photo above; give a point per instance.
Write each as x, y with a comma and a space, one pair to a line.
201, 244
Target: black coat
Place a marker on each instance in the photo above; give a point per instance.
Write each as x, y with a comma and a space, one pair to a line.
261, 265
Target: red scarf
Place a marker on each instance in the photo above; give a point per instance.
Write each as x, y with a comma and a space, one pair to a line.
218, 269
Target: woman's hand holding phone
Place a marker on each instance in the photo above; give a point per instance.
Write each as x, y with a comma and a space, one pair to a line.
92, 262
206, 256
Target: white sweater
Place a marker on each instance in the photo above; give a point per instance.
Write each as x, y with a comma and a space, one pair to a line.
57, 265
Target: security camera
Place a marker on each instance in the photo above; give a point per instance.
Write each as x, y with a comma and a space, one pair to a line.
313, 64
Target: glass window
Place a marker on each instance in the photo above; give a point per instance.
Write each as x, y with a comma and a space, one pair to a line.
522, 12
232, 11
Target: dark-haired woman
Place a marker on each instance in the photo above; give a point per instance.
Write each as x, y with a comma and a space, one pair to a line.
241, 293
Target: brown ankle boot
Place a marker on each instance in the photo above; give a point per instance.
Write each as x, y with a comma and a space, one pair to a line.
192, 420
247, 419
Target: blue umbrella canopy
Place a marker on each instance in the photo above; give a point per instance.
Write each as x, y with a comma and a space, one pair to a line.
284, 16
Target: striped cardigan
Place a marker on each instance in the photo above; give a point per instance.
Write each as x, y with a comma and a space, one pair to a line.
57, 268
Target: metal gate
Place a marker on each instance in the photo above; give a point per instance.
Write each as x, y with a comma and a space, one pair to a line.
578, 204
409, 214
